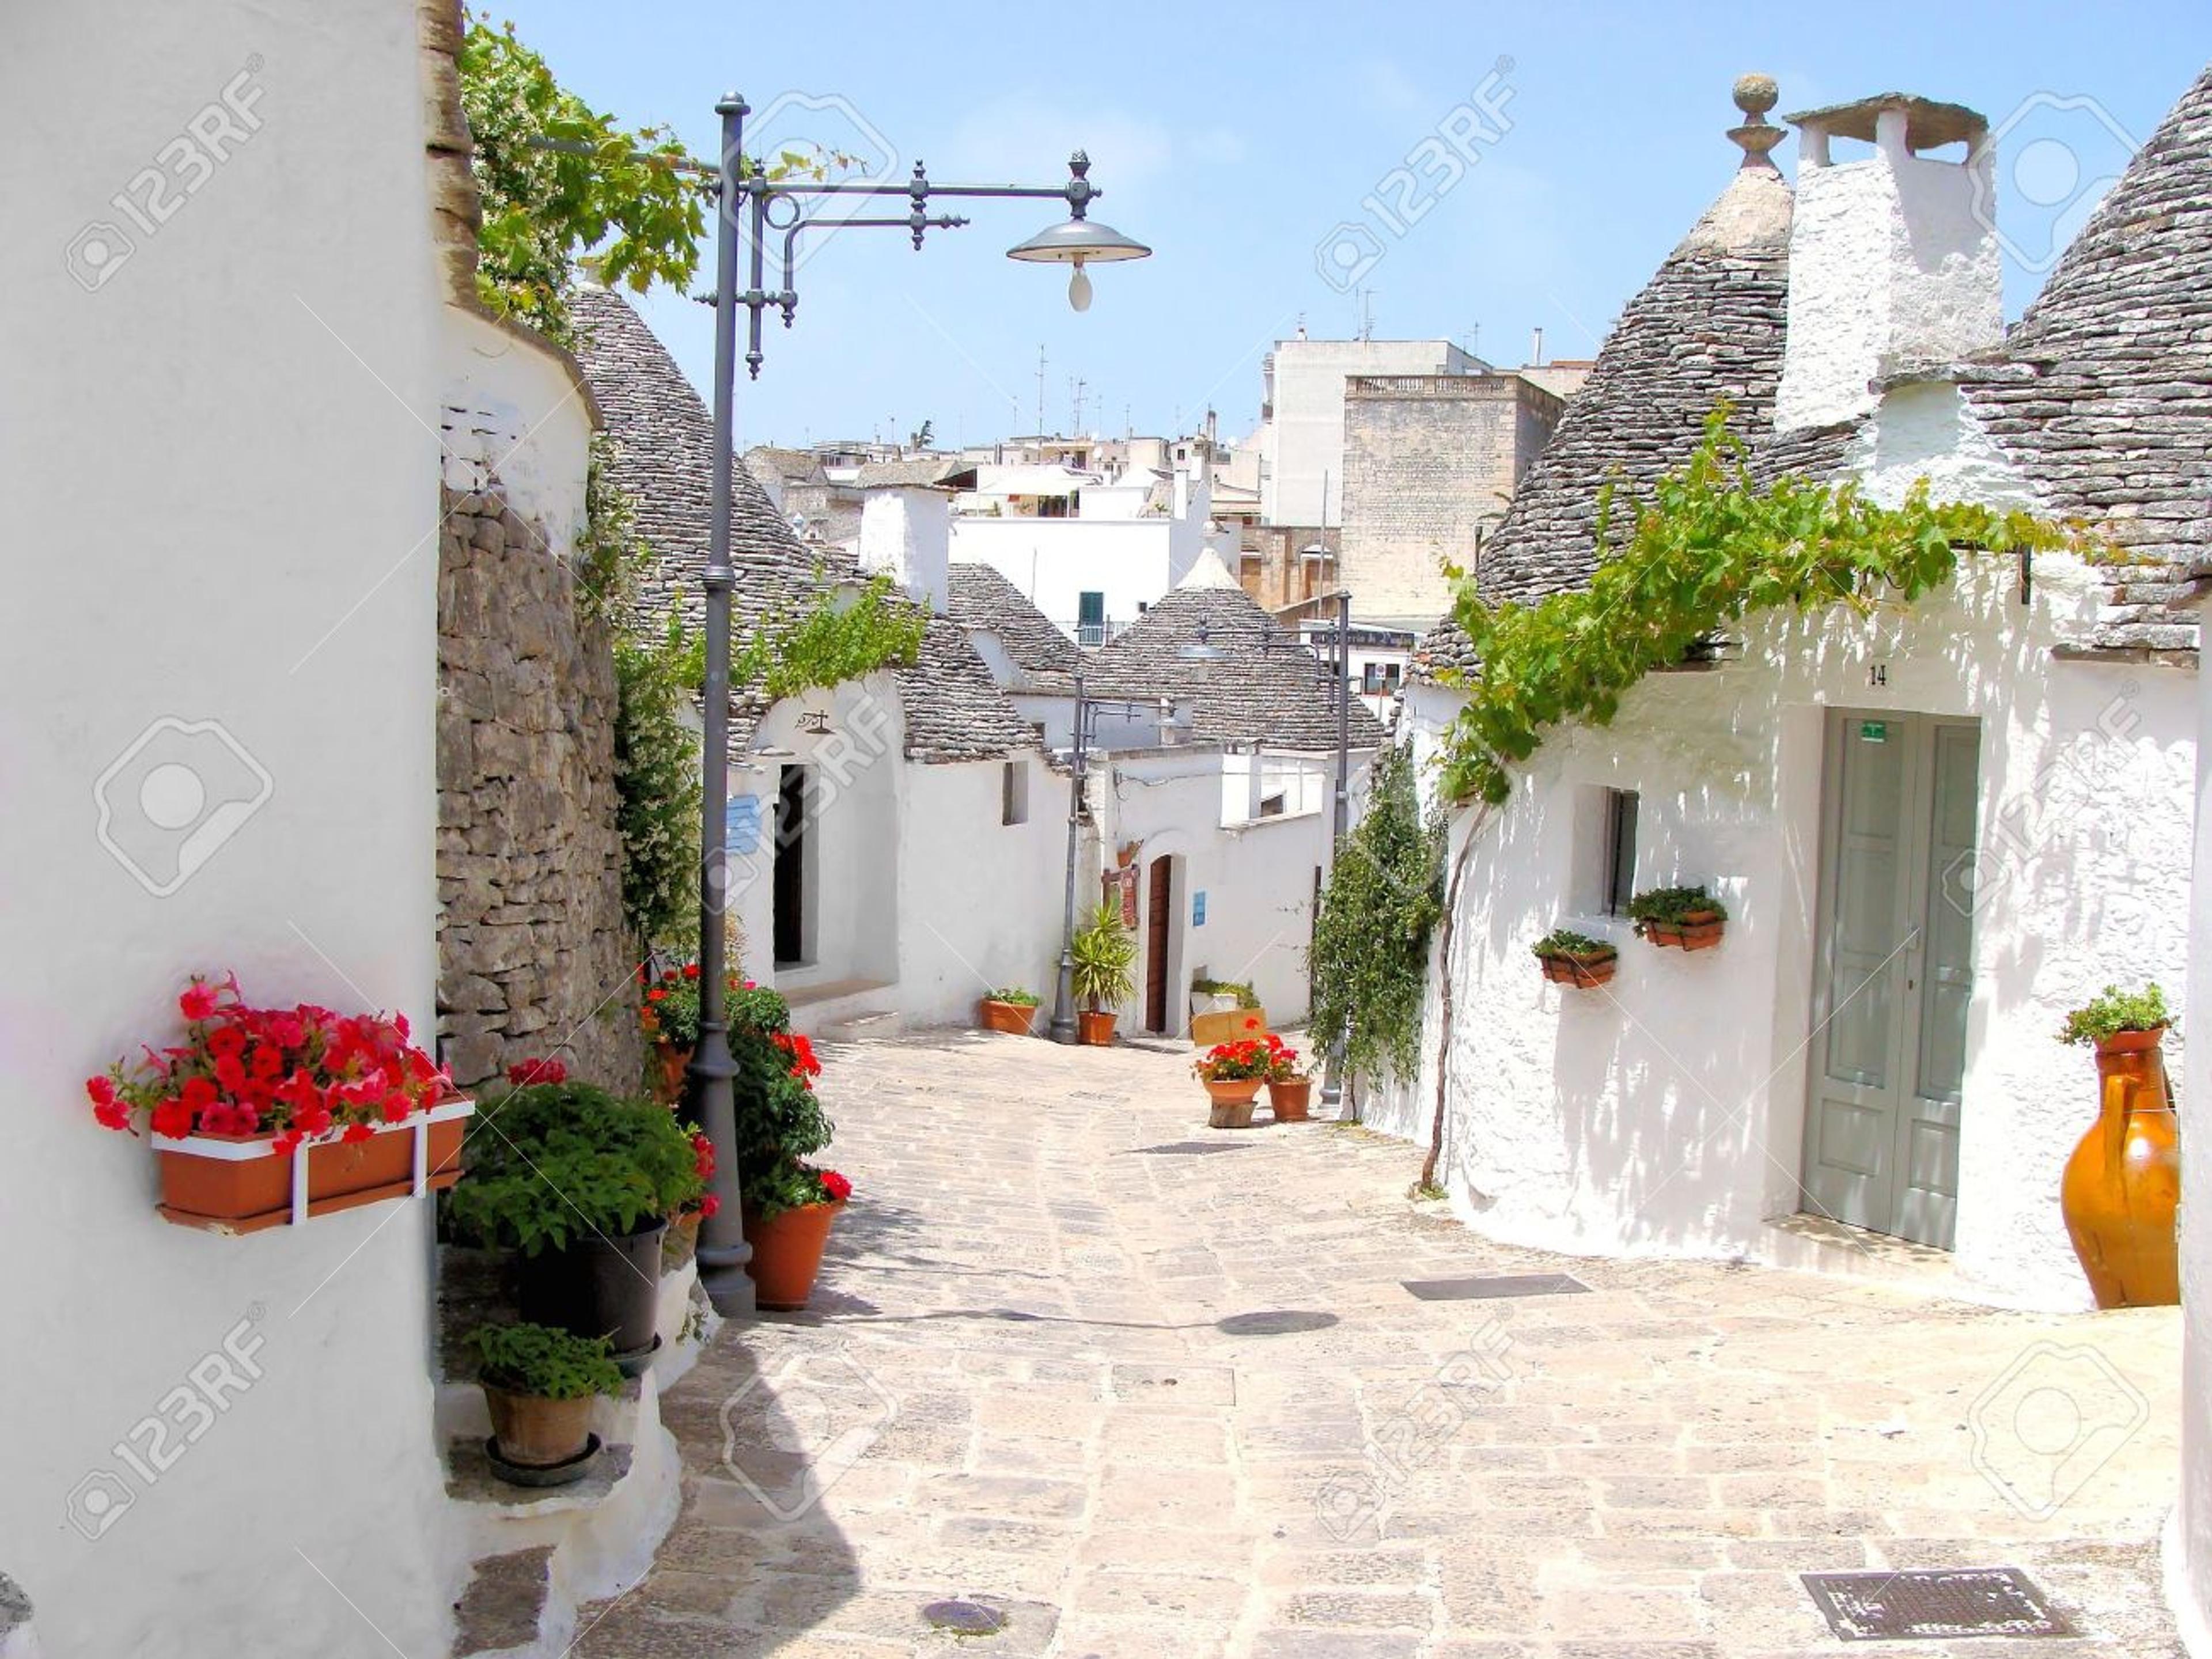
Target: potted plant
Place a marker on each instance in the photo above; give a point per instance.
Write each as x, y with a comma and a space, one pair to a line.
788, 1204
681, 1245
2122, 1187
581, 1183
1233, 1073
538, 1384
1689, 918
261, 1116
1104, 953
1573, 958
1010, 1009
668, 1013
1209, 995
1289, 1089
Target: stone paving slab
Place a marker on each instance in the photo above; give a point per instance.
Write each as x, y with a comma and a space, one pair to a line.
1153, 1403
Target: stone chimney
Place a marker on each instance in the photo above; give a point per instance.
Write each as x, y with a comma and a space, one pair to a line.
1894, 259
906, 532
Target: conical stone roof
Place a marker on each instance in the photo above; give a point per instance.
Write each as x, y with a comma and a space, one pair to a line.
1708, 326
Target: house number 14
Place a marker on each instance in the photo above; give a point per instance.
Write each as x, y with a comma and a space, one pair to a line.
1878, 674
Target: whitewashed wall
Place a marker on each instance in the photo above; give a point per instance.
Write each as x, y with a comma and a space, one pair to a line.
2188, 1540
852, 833
980, 901
221, 467
1257, 877
513, 412
1054, 561
1669, 1118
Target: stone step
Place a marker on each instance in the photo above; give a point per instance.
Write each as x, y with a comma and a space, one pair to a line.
499, 1615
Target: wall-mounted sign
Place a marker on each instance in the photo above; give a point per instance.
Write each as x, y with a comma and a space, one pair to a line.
1197, 909
815, 720
1878, 674
741, 820
1874, 731
1120, 891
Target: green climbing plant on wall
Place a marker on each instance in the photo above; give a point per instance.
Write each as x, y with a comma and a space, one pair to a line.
1709, 548
1369, 957
834, 636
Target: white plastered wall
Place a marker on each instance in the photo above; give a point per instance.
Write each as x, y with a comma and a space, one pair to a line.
222, 466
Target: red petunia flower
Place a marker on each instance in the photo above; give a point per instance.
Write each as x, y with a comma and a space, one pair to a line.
355, 1132
199, 1001
709, 1205
538, 1071
173, 1118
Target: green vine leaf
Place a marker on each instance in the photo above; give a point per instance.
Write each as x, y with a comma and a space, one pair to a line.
1709, 548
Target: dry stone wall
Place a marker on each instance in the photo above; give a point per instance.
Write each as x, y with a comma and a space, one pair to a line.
534, 957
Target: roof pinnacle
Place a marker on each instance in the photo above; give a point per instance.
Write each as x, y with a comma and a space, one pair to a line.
1756, 95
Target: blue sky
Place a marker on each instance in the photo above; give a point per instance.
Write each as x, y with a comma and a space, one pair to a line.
1253, 147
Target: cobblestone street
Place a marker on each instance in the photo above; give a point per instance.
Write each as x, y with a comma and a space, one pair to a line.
1152, 1389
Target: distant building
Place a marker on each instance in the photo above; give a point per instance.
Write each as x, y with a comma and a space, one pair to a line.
1302, 416
1430, 463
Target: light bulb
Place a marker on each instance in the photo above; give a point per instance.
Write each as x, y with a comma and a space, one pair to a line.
1079, 288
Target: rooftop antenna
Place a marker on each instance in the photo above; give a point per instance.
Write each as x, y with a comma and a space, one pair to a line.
1040, 425
1366, 314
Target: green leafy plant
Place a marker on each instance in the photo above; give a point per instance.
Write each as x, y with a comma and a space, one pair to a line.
1241, 989
1575, 947
1105, 954
1709, 548
626, 194
554, 1162
544, 1363
1670, 906
779, 1122
1015, 995
835, 637
1370, 957
2112, 1011
656, 787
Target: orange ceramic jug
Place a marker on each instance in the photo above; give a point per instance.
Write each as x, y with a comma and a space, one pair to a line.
2123, 1182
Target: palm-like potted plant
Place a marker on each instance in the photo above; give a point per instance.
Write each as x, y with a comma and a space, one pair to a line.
1688, 918
1010, 1009
581, 1183
1573, 958
538, 1384
1105, 955
2122, 1189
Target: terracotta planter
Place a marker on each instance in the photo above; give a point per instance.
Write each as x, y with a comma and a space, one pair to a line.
669, 1061
1700, 930
1014, 1018
2123, 1184
536, 1432
1231, 1101
238, 1184
787, 1254
1583, 971
1289, 1101
1094, 1030
680, 1244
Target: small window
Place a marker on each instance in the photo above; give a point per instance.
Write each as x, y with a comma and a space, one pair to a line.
1091, 619
1014, 792
1620, 850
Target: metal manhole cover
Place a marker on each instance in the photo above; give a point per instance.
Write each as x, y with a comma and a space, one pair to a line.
1494, 1287
1275, 1322
1932, 1604
966, 1618
1177, 1148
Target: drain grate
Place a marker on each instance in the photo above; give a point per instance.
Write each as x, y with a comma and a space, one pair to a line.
1179, 1148
965, 1618
1495, 1287
1932, 1604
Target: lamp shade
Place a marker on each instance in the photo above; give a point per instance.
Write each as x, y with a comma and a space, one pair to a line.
1078, 241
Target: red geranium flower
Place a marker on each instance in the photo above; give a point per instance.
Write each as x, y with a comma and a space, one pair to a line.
709, 1205
691, 970
537, 1071
836, 1185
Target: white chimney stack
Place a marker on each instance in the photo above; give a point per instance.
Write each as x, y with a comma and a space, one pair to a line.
1894, 259
906, 532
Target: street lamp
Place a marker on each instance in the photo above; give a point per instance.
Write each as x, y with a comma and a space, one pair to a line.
751, 208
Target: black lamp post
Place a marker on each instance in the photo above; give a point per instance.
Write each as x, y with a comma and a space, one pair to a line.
751, 207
